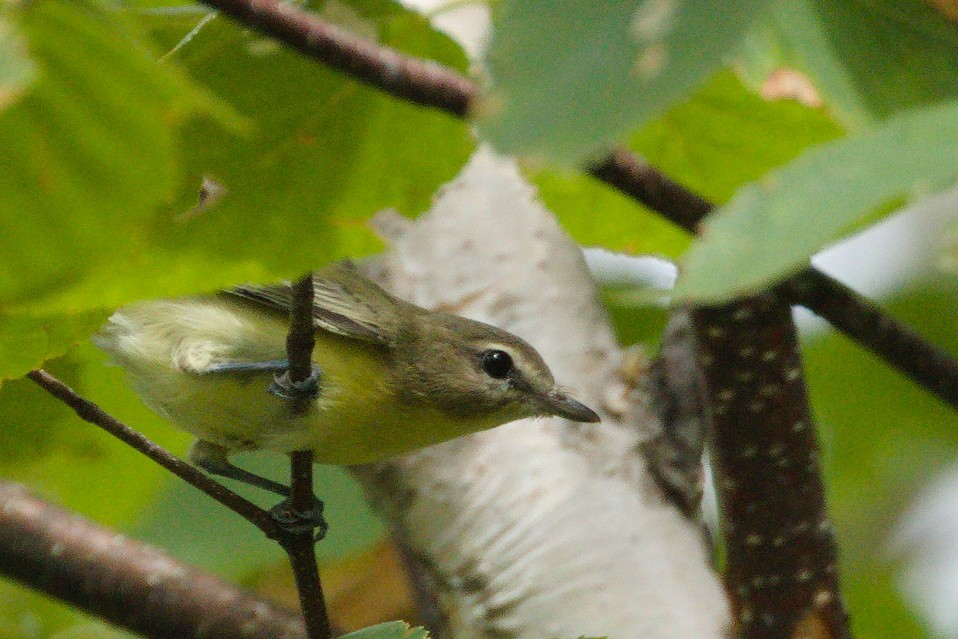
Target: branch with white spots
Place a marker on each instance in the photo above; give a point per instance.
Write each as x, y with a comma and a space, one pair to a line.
782, 559
124, 582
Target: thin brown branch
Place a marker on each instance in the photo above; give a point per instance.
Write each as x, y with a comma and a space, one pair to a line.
925, 364
429, 84
419, 81
630, 174
782, 563
301, 338
90, 412
300, 545
124, 582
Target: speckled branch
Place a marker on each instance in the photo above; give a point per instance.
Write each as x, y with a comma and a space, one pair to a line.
782, 563
125, 582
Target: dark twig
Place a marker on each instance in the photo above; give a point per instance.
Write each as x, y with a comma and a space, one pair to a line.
300, 546
628, 173
125, 582
429, 84
420, 81
90, 412
925, 364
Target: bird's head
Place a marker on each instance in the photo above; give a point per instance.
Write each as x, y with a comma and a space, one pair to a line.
481, 373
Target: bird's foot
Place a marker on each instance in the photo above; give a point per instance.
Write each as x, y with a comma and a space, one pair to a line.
300, 522
286, 388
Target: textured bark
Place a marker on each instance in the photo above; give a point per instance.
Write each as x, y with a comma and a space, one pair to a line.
782, 560
125, 582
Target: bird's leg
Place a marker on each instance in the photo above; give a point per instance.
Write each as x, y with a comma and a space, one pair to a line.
213, 459
282, 386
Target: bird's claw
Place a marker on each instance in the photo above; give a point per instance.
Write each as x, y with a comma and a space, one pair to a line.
300, 522
285, 388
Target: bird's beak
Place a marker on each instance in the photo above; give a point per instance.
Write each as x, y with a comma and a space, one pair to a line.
562, 405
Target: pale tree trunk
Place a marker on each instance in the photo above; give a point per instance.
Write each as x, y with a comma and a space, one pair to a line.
543, 528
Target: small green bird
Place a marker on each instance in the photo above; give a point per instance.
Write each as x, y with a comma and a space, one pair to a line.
389, 376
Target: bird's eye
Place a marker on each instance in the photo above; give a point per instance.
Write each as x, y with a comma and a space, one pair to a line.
496, 363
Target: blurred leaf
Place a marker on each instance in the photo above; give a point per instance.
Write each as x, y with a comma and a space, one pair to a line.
720, 138
571, 78
770, 228
187, 524
27, 341
16, 69
869, 58
725, 135
635, 323
877, 608
579, 201
388, 630
88, 150
44, 444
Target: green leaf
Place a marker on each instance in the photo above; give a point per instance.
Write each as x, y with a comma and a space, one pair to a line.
88, 150
571, 78
388, 630
44, 444
324, 153
577, 200
720, 138
771, 227
26, 341
725, 135
869, 58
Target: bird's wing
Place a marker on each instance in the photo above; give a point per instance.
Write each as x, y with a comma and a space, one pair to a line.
344, 302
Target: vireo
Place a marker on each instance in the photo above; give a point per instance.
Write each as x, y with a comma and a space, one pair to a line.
388, 376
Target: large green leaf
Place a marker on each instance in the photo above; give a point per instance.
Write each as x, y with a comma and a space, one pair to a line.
726, 135
770, 228
88, 151
323, 154
26, 341
571, 77
94, 214
869, 58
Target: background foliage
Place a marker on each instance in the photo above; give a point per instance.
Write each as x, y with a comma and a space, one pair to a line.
110, 120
